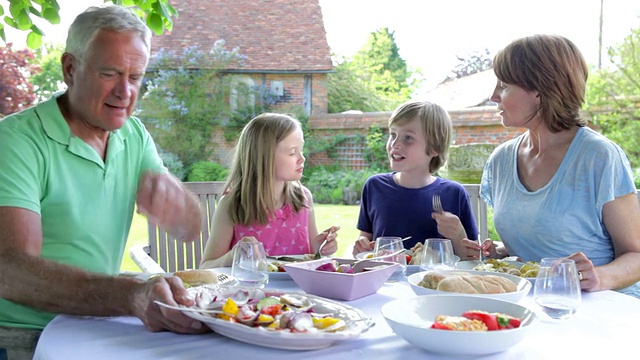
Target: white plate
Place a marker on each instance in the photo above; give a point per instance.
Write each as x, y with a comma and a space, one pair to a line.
470, 264
523, 286
277, 275
357, 323
411, 319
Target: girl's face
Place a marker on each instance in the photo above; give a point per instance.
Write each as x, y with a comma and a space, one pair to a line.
289, 160
407, 148
516, 105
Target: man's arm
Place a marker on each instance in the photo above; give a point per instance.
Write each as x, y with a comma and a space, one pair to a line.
165, 202
28, 279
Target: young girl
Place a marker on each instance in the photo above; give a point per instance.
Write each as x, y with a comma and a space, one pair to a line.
400, 203
264, 197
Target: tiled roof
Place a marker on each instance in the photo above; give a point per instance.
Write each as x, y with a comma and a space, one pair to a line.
274, 35
466, 92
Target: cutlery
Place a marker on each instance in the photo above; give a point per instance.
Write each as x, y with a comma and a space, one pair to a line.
318, 255
181, 308
436, 203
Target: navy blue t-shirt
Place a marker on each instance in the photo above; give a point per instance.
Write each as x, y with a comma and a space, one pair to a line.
388, 209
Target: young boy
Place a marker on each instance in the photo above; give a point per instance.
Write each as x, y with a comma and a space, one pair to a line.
400, 203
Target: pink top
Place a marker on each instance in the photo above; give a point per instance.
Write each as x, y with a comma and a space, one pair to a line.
285, 234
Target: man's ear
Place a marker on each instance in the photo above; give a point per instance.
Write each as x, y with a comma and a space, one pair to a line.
69, 67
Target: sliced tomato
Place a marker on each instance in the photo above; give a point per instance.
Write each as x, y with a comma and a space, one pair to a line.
272, 310
508, 322
438, 325
488, 319
408, 259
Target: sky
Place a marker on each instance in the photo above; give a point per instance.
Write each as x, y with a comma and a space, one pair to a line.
430, 34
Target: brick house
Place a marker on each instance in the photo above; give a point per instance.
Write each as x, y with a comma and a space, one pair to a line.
286, 51
284, 42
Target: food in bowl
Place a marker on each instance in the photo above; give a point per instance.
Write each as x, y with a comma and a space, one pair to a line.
476, 320
467, 283
412, 318
197, 277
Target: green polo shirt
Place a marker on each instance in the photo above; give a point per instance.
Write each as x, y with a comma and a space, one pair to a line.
85, 204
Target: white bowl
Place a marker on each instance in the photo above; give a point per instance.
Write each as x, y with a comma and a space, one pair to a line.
523, 286
411, 319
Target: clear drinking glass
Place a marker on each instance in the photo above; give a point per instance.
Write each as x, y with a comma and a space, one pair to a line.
557, 288
437, 254
389, 245
249, 265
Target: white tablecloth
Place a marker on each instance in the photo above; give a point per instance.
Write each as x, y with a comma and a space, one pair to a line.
605, 327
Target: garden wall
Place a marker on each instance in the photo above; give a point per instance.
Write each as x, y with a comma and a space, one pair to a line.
475, 125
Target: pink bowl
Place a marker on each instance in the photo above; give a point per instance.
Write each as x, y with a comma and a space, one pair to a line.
340, 286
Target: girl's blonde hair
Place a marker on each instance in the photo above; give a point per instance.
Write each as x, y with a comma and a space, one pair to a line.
436, 125
250, 184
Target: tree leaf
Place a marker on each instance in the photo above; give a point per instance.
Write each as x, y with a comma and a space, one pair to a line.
154, 21
51, 15
34, 40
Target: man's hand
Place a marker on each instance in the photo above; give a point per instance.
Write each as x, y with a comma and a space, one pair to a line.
166, 203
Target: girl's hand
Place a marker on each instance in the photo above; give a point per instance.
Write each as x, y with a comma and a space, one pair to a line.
331, 235
363, 244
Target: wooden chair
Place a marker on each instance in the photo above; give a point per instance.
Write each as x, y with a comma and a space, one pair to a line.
166, 254
479, 208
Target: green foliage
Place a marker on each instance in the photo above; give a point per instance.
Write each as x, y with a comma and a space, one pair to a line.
613, 97
329, 184
376, 151
207, 171
16, 91
173, 163
48, 79
187, 99
158, 13
349, 91
379, 62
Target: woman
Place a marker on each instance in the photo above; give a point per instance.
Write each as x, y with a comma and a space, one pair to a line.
560, 189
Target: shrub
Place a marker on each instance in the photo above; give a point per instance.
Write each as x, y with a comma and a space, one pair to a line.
173, 163
331, 184
207, 171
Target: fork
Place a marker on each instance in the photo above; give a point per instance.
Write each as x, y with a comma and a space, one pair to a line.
318, 255
436, 203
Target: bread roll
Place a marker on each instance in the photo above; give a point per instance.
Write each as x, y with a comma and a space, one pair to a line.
466, 283
197, 277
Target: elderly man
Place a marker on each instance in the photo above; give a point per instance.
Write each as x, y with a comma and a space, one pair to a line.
73, 168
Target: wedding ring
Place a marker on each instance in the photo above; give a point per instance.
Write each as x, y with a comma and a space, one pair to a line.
580, 275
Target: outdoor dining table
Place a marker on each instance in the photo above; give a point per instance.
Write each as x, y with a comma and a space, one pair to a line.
605, 327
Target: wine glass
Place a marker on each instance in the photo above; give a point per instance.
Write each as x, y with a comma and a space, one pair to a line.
557, 288
389, 245
437, 254
250, 264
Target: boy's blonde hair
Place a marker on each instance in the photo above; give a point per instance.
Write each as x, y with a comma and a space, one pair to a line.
251, 179
436, 125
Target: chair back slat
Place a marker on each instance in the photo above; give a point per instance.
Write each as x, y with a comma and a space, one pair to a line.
174, 255
479, 208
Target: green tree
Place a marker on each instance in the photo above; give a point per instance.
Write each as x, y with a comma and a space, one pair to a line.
16, 92
348, 91
48, 79
613, 96
187, 96
379, 62
158, 15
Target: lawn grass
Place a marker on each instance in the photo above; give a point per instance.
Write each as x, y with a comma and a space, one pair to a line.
346, 216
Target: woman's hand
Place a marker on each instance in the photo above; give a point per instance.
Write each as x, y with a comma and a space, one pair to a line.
589, 278
471, 250
331, 235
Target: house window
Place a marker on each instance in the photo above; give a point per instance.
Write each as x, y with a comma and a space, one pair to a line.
242, 93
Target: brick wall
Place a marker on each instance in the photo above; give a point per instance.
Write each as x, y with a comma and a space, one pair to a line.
476, 125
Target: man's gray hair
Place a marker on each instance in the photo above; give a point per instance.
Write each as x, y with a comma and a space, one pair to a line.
105, 17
